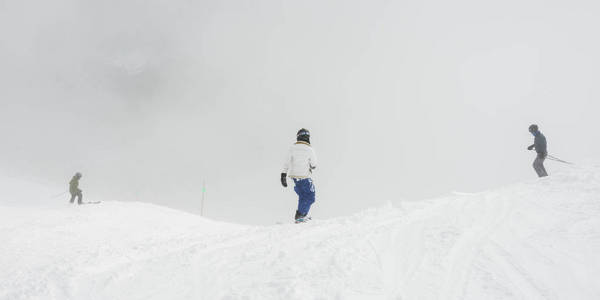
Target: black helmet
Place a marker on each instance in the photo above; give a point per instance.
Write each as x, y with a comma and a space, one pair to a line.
533, 128
303, 131
303, 135
78, 175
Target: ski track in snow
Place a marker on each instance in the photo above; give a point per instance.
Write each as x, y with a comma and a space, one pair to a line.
537, 240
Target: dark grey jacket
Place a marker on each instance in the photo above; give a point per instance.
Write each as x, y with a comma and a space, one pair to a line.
541, 147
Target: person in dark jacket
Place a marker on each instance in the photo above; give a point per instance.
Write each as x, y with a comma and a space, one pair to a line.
74, 189
541, 147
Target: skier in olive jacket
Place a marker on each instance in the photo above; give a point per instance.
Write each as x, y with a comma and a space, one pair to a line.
74, 189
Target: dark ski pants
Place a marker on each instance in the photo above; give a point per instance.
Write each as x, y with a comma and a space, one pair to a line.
79, 196
538, 166
306, 194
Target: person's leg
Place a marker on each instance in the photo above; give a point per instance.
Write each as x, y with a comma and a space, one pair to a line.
535, 168
72, 197
538, 166
79, 197
298, 191
542, 168
308, 196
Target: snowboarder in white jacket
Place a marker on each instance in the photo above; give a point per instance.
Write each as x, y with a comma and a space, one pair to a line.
299, 165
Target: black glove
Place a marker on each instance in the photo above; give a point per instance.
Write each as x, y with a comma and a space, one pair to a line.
530, 147
284, 179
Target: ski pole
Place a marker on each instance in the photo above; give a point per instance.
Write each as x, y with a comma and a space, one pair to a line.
559, 160
56, 196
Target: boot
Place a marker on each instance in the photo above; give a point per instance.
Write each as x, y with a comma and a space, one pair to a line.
299, 216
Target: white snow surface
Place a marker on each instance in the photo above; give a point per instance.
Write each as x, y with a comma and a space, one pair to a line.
535, 240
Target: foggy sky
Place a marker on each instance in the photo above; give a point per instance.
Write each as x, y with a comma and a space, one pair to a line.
404, 99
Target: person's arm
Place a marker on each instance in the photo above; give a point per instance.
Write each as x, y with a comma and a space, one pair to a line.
531, 147
312, 160
286, 167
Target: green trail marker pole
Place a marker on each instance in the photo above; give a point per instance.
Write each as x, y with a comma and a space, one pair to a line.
203, 196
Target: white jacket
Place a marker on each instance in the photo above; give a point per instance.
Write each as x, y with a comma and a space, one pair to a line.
300, 161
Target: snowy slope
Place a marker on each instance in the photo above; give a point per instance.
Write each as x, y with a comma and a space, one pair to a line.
537, 240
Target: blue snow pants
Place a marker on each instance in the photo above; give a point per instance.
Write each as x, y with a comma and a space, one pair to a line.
306, 194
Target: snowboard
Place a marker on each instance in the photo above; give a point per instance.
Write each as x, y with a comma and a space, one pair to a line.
303, 220
295, 222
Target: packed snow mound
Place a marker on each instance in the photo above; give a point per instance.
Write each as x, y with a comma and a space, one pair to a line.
537, 240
